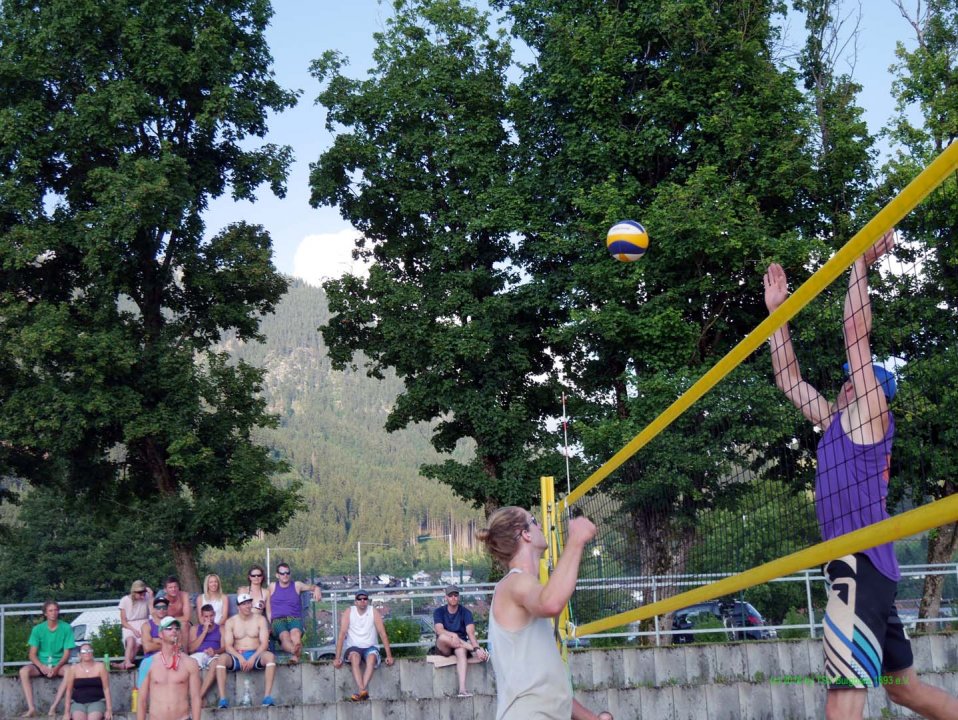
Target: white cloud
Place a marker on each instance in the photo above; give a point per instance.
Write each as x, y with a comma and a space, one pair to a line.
326, 255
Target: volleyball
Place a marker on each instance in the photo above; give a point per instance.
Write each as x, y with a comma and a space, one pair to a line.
627, 241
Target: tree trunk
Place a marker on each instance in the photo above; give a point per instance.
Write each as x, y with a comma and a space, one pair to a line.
184, 559
941, 548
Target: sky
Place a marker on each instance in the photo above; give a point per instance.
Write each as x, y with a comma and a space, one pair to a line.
314, 244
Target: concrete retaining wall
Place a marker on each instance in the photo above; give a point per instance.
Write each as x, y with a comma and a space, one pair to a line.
744, 680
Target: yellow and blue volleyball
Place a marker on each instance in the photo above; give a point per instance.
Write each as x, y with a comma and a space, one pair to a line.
627, 241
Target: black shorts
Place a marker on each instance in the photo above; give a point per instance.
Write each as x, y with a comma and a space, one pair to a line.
864, 637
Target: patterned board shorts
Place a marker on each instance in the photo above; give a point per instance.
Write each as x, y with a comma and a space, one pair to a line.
864, 637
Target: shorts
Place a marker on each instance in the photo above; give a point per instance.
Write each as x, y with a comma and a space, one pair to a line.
364, 653
247, 654
864, 637
203, 660
97, 706
469, 653
286, 624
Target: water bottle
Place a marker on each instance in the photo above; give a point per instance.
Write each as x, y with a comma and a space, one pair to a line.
247, 700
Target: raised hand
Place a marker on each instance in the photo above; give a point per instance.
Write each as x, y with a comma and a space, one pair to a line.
776, 287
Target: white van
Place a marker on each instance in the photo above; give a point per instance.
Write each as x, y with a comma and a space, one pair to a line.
88, 622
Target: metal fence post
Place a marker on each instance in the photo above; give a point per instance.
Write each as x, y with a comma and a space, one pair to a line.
655, 597
808, 599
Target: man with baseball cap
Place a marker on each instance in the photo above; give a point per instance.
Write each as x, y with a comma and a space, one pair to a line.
150, 635
170, 690
358, 627
456, 635
246, 642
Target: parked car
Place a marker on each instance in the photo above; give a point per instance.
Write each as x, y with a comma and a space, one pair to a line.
733, 615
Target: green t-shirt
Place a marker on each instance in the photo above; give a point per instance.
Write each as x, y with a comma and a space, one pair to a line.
50, 644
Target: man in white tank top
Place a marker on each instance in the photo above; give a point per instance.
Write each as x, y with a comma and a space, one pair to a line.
531, 680
358, 628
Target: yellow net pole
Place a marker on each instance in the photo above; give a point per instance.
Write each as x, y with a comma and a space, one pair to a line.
903, 203
934, 514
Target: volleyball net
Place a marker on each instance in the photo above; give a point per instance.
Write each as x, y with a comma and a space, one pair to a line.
716, 493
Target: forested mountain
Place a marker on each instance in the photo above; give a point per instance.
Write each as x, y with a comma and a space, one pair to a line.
360, 483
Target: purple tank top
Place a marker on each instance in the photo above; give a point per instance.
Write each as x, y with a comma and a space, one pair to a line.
851, 483
212, 639
154, 633
285, 602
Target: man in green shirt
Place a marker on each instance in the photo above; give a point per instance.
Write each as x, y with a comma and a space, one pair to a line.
50, 644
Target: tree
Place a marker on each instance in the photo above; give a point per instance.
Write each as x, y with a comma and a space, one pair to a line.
120, 120
924, 302
421, 166
676, 114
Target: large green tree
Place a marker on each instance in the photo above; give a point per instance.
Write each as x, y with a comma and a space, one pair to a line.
421, 166
119, 120
676, 114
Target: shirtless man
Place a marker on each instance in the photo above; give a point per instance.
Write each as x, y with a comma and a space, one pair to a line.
179, 602
172, 687
245, 639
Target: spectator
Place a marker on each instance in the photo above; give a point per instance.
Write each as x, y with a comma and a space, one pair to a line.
171, 688
358, 628
206, 638
88, 689
456, 635
134, 611
150, 635
256, 590
213, 595
179, 603
286, 610
246, 639
50, 644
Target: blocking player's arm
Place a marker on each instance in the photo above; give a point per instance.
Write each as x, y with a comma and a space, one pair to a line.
857, 324
788, 374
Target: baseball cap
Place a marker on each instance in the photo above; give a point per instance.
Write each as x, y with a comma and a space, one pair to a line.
452, 589
885, 378
168, 621
243, 597
361, 592
161, 600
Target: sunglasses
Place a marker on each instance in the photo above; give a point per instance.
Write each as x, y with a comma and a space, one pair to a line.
282, 572
252, 575
362, 598
86, 651
139, 592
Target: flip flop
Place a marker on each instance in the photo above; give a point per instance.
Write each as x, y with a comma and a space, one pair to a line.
464, 695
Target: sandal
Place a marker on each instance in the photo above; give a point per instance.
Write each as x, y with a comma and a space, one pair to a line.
356, 697
464, 695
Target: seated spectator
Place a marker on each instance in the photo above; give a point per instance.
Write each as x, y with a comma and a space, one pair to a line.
358, 628
286, 610
150, 635
179, 602
245, 643
206, 638
456, 635
134, 611
88, 689
257, 590
50, 644
213, 595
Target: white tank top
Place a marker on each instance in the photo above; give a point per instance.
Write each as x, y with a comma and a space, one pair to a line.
362, 629
531, 679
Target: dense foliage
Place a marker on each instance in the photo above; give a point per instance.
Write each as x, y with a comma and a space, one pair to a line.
119, 120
